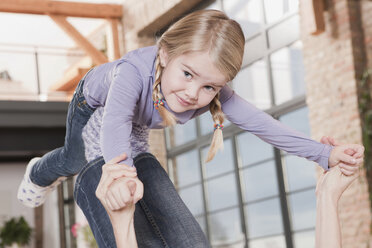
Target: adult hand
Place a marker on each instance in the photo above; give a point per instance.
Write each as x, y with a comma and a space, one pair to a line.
334, 182
119, 186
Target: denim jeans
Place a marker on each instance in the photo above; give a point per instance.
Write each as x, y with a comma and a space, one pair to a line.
161, 218
69, 159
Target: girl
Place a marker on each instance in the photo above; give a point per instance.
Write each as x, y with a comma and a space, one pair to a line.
183, 76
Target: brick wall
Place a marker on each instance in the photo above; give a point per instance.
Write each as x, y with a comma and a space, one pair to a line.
366, 17
334, 61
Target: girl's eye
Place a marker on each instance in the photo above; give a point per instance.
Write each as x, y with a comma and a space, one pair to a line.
209, 88
187, 74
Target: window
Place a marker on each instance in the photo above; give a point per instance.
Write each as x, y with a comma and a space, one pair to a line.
251, 193
66, 213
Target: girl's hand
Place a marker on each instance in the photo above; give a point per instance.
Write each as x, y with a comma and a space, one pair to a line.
349, 157
353, 151
119, 185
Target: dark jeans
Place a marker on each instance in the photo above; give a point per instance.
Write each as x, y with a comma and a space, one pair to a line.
69, 159
161, 218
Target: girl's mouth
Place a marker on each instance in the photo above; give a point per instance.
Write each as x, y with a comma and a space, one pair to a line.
182, 101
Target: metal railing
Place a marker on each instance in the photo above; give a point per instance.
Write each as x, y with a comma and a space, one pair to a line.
28, 71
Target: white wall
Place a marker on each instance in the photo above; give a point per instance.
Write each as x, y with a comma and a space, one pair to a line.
11, 175
51, 221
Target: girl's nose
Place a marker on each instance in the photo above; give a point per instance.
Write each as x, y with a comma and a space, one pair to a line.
192, 92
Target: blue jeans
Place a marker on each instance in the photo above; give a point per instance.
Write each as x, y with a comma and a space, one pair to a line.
161, 218
69, 159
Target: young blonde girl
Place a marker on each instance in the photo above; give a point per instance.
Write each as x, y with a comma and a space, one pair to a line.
116, 104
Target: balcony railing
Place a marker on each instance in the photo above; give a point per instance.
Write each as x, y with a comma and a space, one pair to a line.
27, 72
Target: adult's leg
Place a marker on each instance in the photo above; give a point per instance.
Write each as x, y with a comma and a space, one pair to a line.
84, 193
165, 209
69, 159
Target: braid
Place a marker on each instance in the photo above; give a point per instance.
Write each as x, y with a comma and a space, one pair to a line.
168, 118
218, 118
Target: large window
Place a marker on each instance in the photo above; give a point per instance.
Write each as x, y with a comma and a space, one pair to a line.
252, 194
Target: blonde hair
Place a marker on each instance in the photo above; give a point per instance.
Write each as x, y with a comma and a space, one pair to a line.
203, 31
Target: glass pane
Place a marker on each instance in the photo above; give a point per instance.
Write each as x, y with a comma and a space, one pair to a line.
264, 218
252, 84
186, 169
248, 13
300, 172
284, 33
272, 242
260, 181
206, 123
254, 49
18, 66
274, 10
58, 64
239, 244
298, 120
288, 73
304, 239
252, 149
183, 133
193, 198
293, 5
222, 192
223, 161
14, 81
234, 245
225, 227
303, 209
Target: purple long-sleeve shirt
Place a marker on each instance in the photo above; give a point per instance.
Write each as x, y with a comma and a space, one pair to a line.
124, 88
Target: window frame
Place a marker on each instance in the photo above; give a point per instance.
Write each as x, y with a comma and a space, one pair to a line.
232, 131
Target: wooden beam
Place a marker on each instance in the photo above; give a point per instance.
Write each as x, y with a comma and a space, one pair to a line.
155, 20
313, 12
70, 80
73, 9
115, 37
80, 40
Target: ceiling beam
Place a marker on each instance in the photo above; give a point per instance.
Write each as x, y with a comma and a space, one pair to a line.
97, 56
73, 9
313, 15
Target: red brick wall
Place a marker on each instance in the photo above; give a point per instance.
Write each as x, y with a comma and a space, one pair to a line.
333, 63
366, 17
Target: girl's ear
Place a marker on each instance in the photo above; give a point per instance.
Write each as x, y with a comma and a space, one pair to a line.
163, 55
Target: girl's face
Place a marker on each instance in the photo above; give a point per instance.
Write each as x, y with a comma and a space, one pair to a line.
190, 81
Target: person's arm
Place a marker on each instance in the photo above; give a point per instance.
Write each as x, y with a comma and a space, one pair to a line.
330, 187
124, 93
122, 220
270, 130
327, 227
118, 191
